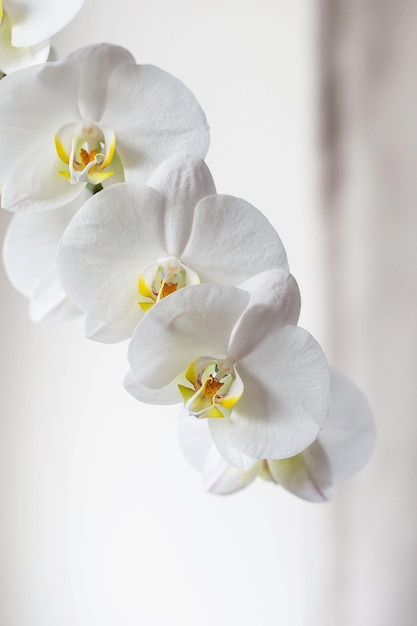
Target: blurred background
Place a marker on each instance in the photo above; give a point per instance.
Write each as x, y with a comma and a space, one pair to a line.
311, 105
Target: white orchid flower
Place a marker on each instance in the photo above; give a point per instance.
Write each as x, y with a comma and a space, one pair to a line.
29, 256
342, 448
132, 245
26, 27
95, 118
235, 356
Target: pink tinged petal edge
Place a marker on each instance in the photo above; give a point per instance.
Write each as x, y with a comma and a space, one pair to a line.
274, 301
154, 116
286, 399
307, 475
37, 21
221, 478
221, 440
231, 241
112, 238
343, 446
195, 321
182, 180
218, 476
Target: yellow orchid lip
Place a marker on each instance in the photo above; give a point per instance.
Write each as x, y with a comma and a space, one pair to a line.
87, 150
160, 279
215, 387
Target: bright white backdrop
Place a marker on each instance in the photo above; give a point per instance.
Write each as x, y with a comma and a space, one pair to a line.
103, 523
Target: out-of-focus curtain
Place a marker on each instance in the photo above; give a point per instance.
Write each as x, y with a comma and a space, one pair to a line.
369, 139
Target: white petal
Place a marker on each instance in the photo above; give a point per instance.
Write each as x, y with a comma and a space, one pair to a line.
97, 62
221, 478
30, 245
286, 398
274, 301
306, 475
165, 395
113, 332
35, 102
349, 436
221, 439
343, 446
109, 242
195, 439
154, 116
182, 180
232, 241
49, 302
37, 186
197, 445
12, 58
37, 20
195, 321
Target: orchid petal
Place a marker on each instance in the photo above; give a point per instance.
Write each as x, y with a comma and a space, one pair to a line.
306, 475
29, 252
182, 180
230, 233
30, 246
274, 301
198, 449
27, 161
343, 446
49, 302
32, 189
12, 58
108, 243
192, 322
349, 436
97, 62
113, 332
286, 399
222, 478
194, 438
37, 20
164, 395
154, 116
234, 457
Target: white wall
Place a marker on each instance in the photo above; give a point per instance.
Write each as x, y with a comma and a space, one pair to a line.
103, 523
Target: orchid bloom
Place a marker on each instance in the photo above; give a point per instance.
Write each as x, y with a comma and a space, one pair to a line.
235, 356
131, 246
342, 448
26, 27
92, 119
